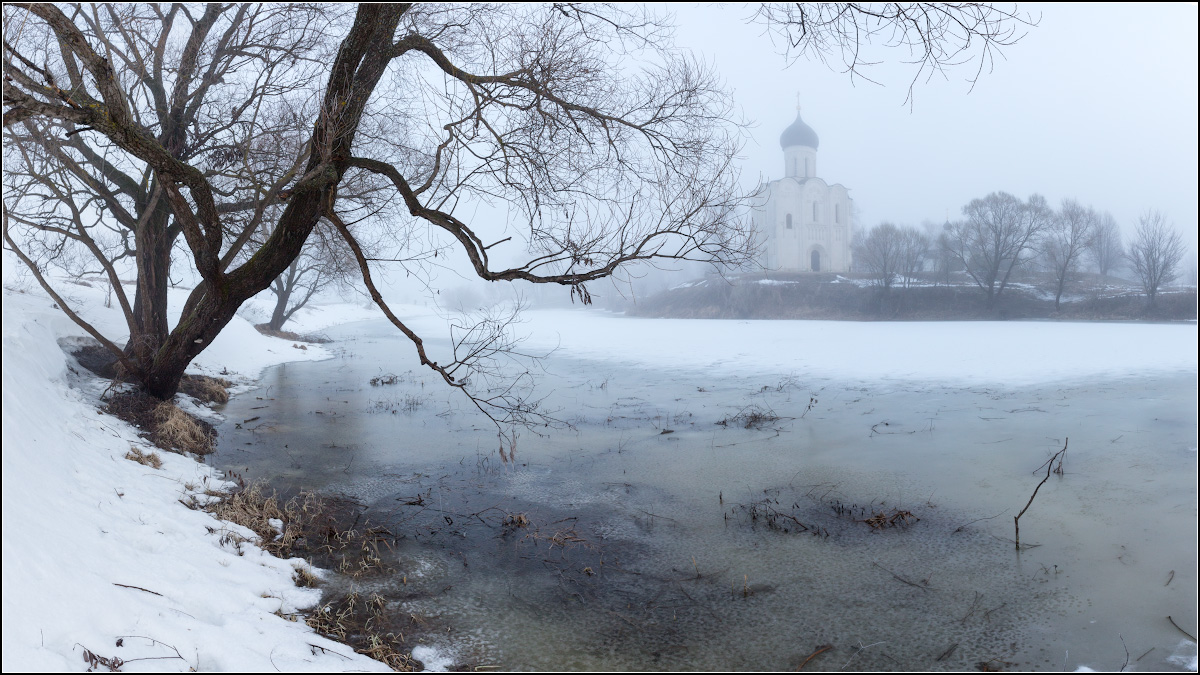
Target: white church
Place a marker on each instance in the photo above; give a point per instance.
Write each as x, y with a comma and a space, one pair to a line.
805, 224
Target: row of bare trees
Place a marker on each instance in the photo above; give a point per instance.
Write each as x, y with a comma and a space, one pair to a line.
1000, 235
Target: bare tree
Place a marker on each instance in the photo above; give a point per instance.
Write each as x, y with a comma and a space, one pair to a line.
324, 262
997, 238
608, 148
1106, 248
546, 108
1155, 253
126, 107
880, 253
914, 249
1068, 236
937, 36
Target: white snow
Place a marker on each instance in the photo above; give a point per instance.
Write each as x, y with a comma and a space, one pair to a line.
1013, 353
98, 548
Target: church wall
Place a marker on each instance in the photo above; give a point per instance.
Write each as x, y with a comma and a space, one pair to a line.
794, 162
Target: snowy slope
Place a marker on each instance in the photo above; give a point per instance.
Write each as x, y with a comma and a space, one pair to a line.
97, 547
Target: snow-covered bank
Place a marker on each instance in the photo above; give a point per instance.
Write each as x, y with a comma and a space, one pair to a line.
968, 353
99, 554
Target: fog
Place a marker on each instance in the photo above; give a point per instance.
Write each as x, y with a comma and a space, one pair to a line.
1098, 106
1094, 105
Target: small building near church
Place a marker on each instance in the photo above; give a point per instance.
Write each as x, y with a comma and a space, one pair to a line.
805, 223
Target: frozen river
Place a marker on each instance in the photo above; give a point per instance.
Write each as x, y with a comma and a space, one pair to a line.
653, 537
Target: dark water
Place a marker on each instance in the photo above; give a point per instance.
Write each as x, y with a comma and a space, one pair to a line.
638, 538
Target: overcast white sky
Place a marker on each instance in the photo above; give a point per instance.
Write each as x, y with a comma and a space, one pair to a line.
1097, 102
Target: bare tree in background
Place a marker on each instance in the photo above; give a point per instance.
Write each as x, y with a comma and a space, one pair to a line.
1068, 236
324, 262
1155, 253
997, 238
880, 253
1106, 248
937, 36
914, 249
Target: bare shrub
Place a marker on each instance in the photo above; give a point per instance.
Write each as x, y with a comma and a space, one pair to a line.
150, 459
751, 417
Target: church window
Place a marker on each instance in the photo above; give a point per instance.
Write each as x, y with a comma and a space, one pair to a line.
814, 212
806, 171
837, 213
789, 221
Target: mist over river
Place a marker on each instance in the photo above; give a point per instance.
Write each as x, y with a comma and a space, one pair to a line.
645, 534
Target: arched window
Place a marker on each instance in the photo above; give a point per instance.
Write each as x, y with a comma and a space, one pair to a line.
806, 171
789, 221
837, 213
814, 212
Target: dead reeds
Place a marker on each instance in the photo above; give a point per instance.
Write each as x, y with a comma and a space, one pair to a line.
364, 623
182, 432
150, 459
205, 389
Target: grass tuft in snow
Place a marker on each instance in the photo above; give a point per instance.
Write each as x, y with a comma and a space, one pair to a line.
178, 430
150, 459
206, 389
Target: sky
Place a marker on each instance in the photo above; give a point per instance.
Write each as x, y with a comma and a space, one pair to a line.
1096, 103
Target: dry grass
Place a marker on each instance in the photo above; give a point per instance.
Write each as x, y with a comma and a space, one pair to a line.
365, 624
180, 431
206, 389
323, 530
319, 528
304, 577
164, 424
150, 459
751, 417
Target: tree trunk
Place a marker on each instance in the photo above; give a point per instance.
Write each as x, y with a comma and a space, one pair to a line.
279, 316
153, 258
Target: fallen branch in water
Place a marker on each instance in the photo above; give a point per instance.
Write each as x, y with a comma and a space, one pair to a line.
1180, 629
900, 578
821, 649
1049, 467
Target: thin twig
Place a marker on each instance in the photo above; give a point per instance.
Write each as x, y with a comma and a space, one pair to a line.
859, 650
946, 654
1190, 637
960, 527
1126, 664
138, 588
822, 648
1049, 467
899, 578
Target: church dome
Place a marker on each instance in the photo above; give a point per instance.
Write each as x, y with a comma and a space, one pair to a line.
798, 133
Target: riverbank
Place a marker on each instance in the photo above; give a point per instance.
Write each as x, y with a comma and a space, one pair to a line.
853, 297
102, 563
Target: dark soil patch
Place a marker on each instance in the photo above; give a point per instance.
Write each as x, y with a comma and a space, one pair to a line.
98, 360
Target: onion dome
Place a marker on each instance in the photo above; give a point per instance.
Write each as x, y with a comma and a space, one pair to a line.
798, 133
